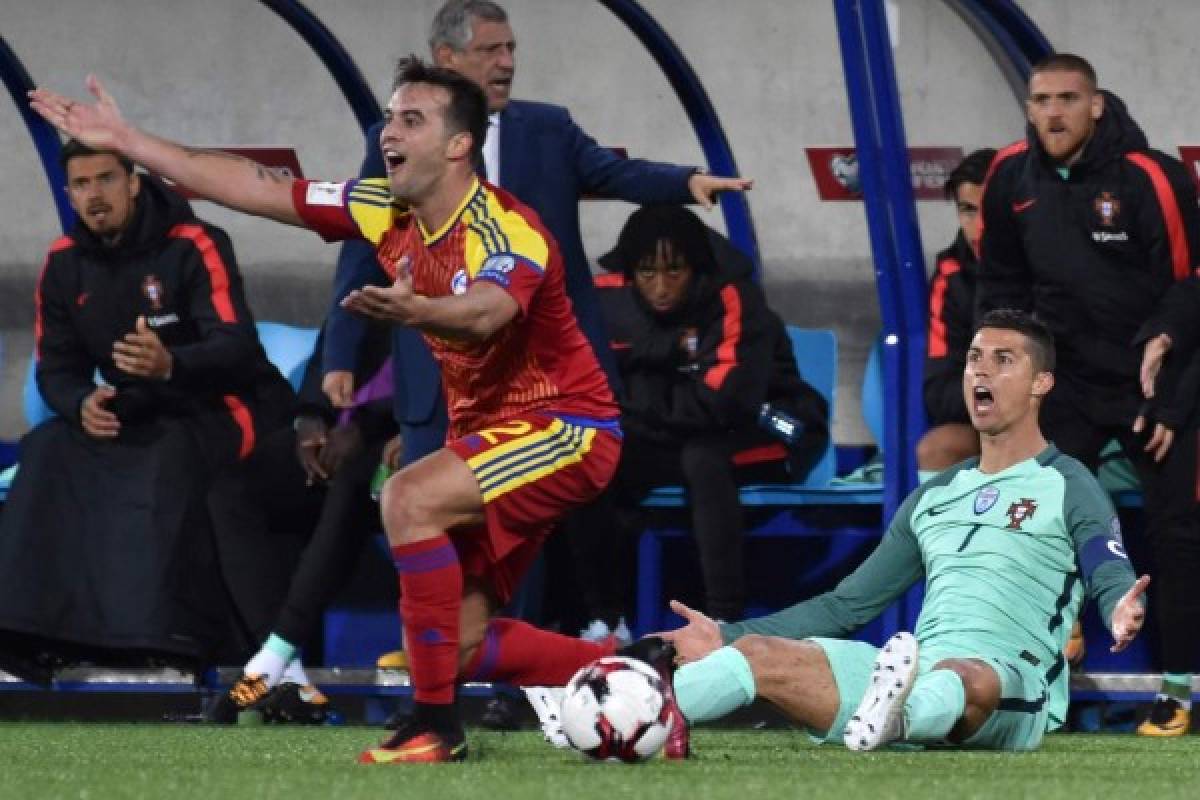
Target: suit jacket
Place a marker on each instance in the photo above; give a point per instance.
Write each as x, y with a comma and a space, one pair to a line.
549, 163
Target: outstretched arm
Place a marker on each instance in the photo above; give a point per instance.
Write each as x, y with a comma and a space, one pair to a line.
230, 180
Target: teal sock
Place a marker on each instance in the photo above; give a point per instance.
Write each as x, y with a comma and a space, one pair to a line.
280, 647
1179, 686
937, 701
715, 685
271, 659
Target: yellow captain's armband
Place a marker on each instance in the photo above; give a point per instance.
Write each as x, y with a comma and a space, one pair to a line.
370, 204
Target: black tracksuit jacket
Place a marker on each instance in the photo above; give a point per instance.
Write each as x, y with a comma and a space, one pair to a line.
180, 273
1105, 257
710, 365
951, 315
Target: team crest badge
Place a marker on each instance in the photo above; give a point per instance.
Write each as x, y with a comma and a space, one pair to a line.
986, 498
1107, 208
153, 290
689, 342
1019, 512
458, 284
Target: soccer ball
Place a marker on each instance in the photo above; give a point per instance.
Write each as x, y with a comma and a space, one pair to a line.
614, 710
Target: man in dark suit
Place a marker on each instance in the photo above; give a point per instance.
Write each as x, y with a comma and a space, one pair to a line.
537, 152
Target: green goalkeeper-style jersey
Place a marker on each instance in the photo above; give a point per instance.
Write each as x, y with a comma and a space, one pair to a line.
1006, 559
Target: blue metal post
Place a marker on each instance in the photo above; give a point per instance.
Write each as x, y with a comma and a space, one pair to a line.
909, 263
45, 137
869, 144
683, 79
341, 66
1010, 36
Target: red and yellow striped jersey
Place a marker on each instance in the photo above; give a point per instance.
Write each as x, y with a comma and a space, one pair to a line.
540, 361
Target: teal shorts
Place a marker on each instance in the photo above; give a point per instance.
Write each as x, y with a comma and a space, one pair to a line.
1019, 723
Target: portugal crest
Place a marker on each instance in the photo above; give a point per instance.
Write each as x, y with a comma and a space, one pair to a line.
1107, 208
153, 290
1019, 512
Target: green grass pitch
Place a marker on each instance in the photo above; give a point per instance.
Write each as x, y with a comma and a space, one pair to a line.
60, 760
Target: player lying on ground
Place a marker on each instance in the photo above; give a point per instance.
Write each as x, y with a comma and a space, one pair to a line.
1007, 544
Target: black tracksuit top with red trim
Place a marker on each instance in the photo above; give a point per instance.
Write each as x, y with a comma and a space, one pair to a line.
951, 314
1104, 257
180, 273
707, 367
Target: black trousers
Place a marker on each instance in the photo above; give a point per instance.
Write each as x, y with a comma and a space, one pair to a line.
603, 534
1170, 490
261, 512
348, 517
107, 544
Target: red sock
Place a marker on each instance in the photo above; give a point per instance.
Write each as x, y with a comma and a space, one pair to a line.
518, 653
431, 586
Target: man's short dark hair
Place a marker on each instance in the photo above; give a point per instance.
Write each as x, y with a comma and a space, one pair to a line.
1066, 62
1040, 342
452, 24
467, 110
77, 149
972, 169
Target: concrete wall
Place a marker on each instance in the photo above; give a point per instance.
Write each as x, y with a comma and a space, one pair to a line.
230, 72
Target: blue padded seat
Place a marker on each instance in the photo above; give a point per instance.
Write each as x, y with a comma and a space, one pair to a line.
288, 348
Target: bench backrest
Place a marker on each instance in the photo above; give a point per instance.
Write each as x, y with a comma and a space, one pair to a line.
816, 356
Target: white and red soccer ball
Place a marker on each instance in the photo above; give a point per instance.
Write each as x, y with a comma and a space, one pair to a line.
614, 710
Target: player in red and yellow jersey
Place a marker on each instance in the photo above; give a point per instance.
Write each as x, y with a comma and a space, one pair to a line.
533, 425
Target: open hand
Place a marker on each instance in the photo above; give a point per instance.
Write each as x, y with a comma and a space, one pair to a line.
338, 385
396, 304
142, 354
705, 188
1129, 614
94, 416
312, 434
98, 125
699, 637
1152, 360
1160, 440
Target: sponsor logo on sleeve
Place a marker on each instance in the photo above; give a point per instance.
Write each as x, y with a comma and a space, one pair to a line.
324, 193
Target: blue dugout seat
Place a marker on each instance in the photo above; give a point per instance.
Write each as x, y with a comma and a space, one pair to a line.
786, 506
288, 347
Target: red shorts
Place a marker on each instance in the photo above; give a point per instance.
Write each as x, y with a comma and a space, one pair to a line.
532, 469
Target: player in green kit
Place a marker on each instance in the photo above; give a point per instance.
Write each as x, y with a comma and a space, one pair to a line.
1007, 544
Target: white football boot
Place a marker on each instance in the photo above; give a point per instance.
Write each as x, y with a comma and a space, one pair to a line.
879, 718
547, 704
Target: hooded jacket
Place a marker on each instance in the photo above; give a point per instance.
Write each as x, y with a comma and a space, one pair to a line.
1104, 256
710, 364
951, 310
180, 274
